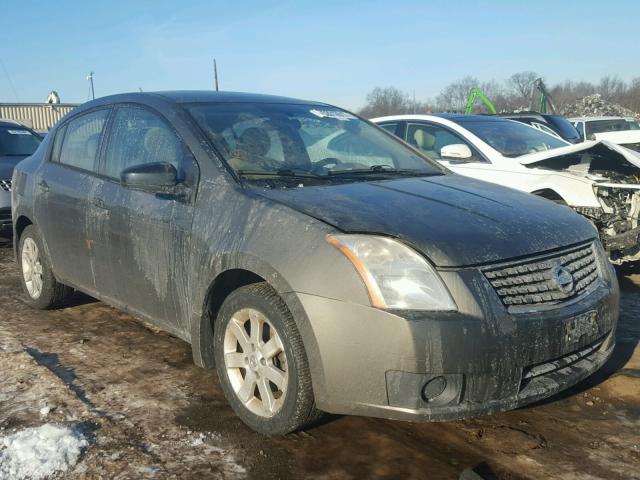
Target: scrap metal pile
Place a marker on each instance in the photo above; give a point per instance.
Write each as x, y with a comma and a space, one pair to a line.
596, 106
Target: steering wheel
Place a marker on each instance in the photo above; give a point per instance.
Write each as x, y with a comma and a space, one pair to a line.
317, 166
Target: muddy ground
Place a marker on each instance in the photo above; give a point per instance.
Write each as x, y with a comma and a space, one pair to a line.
150, 413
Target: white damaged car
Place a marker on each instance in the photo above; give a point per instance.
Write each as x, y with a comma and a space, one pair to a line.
599, 180
618, 130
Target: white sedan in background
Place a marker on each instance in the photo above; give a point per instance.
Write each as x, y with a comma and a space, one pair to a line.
599, 180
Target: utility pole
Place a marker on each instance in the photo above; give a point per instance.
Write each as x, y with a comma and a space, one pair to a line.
215, 73
90, 78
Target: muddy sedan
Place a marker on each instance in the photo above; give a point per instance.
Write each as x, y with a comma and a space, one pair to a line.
316, 261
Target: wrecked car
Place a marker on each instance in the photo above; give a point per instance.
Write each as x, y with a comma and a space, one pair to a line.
356, 278
619, 130
599, 180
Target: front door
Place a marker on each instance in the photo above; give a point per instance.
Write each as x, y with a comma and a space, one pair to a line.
143, 240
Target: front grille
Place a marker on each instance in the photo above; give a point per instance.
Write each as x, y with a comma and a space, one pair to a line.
534, 282
5, 185
5, 216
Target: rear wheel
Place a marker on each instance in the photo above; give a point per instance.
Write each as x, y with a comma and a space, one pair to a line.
38, 282
261, 361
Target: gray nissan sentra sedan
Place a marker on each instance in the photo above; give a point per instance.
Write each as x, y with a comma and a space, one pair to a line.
317, 262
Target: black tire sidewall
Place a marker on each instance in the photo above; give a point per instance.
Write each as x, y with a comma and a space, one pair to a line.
287, 419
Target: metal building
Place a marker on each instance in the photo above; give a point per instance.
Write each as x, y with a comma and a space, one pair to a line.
38, 116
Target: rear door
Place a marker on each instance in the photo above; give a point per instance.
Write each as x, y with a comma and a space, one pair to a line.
142, 240
64, 184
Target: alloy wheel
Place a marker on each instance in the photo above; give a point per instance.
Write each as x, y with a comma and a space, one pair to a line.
31, 268
255, 362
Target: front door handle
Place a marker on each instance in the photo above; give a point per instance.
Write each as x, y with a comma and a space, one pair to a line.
99, 203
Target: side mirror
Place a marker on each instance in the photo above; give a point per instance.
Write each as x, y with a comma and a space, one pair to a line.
150, 177
456, 151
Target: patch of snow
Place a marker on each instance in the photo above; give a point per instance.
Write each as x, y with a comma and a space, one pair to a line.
38, 452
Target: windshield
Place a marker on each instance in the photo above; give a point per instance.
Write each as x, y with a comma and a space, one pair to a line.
602, 126
261, 140
17, 141
563, 126
512, 139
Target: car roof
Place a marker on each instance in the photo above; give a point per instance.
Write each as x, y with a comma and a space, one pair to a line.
463, 116
6, 122
453, 117
591, 119
199, 96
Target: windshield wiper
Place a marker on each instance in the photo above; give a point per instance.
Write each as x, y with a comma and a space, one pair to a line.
384, 170
284, 172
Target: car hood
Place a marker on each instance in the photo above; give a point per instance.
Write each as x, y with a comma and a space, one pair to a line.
627, 154
623, 137
453, 220
7, 164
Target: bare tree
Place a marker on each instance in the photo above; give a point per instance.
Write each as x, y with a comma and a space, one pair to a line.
390, 101
454, 96
521, 82
509, 95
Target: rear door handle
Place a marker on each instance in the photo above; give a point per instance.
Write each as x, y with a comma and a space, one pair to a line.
44, 186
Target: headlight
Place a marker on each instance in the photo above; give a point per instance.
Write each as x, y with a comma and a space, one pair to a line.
394, 274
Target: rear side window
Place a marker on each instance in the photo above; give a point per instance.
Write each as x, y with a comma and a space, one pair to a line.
57, 144
137, 137
82, 139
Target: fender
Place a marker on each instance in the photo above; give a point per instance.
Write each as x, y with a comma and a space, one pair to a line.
201, 323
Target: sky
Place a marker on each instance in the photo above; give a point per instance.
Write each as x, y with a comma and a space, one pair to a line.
325, 50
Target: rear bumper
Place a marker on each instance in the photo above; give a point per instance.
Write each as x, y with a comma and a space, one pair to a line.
427, 366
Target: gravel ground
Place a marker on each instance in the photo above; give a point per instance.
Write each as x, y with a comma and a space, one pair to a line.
147, 412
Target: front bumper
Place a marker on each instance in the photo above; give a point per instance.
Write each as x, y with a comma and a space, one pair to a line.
5, 212
623, 247
371, 362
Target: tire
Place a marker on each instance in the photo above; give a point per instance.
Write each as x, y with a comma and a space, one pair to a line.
39, 284
245, 372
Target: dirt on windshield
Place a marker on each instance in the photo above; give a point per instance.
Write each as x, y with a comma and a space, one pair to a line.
148, 412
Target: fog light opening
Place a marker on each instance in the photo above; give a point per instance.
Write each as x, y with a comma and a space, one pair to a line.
434, 388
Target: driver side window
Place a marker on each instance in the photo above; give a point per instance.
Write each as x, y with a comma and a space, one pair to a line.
139, 136
430, 139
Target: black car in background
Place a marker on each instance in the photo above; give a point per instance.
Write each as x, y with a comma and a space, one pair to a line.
555, 125
16, 143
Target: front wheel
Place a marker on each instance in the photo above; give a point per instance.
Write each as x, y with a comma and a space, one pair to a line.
38, 282
261, 361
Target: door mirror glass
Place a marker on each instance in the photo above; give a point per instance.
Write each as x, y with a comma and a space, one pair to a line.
158, 177
456, 151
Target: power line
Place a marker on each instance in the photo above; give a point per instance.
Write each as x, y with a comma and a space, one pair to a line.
6, 72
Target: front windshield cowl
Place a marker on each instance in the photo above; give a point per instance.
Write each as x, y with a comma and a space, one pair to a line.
263, 141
